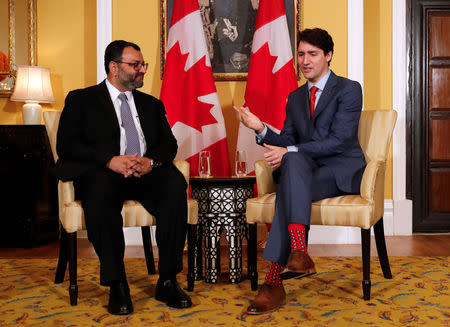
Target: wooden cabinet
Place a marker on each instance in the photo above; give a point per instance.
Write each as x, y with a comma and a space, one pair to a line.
29, 200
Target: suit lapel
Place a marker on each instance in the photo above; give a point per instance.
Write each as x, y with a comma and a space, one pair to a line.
106, 103
304, 97
305, 112
140, 108
139, 103
326, 95
147, 117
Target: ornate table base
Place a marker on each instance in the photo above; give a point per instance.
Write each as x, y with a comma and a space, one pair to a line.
221, 204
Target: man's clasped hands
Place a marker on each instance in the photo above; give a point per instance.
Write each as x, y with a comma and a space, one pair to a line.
130, 165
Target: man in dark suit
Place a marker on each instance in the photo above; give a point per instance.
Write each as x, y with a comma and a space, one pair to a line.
115, 143
317, 155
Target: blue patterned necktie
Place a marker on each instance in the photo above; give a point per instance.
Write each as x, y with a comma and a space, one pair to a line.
131, 132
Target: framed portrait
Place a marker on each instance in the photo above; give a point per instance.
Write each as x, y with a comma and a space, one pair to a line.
229, 26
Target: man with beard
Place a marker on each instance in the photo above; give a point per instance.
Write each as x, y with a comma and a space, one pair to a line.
115, 143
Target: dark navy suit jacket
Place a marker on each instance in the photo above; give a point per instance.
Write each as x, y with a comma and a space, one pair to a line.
331, 136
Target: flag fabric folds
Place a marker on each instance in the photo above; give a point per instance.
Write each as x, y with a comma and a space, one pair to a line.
271, 75
189, 94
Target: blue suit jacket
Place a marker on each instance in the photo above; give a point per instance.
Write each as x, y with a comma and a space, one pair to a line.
331, 136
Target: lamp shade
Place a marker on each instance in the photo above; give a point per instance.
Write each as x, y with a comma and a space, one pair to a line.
33, 85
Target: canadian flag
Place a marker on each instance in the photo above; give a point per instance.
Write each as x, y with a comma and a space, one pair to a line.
271, 75
189, 94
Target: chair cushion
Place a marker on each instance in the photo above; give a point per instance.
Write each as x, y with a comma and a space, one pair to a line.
133, 213
261, 209
345, 210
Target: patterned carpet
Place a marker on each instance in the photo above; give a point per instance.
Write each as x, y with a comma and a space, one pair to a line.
417, 295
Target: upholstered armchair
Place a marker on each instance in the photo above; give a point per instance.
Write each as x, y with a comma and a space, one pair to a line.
364, 210
71, 218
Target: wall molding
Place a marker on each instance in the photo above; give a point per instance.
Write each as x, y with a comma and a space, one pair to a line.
104, 34
355, 43
402, 207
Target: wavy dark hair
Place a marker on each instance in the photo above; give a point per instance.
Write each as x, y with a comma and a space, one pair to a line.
317, 37
114, 51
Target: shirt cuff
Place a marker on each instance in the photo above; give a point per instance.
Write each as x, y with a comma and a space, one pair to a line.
292, 148
261, 135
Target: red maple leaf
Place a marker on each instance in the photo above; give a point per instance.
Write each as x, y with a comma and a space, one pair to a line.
181, 89
266, 93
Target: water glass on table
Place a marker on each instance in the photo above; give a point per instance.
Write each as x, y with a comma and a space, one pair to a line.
240, 163
204, 164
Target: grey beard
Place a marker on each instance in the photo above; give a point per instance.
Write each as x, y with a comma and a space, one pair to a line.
134, 84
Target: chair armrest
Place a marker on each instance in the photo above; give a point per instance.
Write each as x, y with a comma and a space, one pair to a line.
264, 178
184, 167
66, 195
66, 192
372, 184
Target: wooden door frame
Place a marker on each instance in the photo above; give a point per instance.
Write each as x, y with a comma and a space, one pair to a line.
416, 136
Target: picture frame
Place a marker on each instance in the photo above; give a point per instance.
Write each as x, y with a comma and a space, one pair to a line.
229, 28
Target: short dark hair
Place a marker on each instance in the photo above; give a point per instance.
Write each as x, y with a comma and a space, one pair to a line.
317, 37
114, 51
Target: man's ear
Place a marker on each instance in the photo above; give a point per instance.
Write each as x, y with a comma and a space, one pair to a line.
328, 56
113, 67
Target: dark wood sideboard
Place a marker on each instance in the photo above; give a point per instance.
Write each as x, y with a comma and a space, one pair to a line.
29, 199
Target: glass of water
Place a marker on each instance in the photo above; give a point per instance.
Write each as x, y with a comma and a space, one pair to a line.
240, 163
204, 164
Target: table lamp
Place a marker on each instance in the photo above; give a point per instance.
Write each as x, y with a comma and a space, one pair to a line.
32, 86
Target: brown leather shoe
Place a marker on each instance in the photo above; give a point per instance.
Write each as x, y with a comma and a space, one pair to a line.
299, 265
269, 299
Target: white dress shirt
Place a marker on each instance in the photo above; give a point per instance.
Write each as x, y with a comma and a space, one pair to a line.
114, 93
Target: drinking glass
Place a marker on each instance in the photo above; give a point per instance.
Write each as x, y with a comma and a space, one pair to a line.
240, 163
204, 164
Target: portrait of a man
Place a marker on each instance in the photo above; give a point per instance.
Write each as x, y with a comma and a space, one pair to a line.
229, 26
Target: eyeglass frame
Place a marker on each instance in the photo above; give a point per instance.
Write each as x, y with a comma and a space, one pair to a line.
135, 65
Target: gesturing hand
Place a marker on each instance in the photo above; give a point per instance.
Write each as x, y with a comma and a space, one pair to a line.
274, 155
249, 120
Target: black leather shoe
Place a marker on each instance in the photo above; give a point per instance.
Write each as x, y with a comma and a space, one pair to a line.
171, 293
119, 299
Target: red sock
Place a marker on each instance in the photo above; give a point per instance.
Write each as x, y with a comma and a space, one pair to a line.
273, 275
297, 234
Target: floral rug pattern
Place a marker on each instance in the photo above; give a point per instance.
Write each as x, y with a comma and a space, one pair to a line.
418, 295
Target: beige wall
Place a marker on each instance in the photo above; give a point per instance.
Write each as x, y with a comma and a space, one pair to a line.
67, 44
378, 64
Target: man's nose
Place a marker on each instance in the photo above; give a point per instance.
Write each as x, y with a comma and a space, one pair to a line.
306, 59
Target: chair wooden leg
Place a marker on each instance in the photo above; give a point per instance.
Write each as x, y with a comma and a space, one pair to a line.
378, 229
72, 251
148, 250
192, 239
252, 256
62, 259
365, 244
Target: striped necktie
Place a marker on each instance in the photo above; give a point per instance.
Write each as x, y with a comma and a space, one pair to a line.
131, 132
